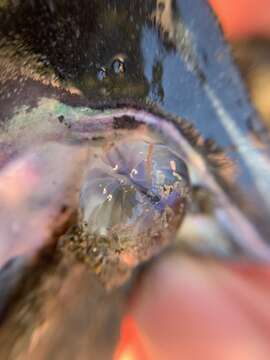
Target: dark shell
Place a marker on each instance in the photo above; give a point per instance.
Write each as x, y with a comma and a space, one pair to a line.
58, 62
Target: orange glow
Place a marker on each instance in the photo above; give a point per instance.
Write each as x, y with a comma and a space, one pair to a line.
127, 354
130, 346
242, 18
204, 310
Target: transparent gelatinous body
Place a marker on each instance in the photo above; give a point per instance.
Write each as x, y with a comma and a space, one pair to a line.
133, 198
131, 186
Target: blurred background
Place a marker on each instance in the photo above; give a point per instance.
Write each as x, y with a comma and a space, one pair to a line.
246, 24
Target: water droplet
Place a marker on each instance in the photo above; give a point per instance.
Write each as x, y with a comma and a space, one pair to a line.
101, 73
109, 197
118, 66
133, 173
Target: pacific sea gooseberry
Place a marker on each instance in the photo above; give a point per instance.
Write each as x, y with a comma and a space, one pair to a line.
132, 201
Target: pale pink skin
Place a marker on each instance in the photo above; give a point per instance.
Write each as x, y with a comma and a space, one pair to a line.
190, 309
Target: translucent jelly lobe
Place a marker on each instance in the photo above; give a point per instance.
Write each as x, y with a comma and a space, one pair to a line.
135, 191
